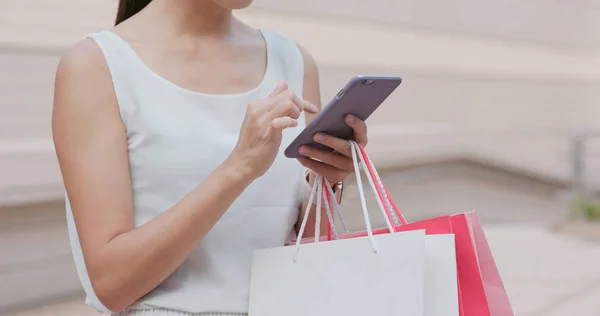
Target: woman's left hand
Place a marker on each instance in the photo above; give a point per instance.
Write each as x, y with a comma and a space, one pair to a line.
334, 166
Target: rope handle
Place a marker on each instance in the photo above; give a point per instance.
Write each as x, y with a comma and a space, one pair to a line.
392, 210
317, 190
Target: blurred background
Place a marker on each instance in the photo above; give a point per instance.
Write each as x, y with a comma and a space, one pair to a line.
499, 112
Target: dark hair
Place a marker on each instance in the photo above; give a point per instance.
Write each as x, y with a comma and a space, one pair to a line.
129, 8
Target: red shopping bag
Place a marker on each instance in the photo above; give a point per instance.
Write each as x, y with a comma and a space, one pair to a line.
481, 291
495, 293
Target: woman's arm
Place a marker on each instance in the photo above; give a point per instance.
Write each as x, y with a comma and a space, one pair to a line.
123, 263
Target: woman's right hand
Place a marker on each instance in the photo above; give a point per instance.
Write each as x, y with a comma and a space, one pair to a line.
261, 131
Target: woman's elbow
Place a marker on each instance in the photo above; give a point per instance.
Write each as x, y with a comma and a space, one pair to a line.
111, 293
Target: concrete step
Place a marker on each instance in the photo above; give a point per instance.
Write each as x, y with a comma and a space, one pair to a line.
544, 273
37, 264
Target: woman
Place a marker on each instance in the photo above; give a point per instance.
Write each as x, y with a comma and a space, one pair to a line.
169, 129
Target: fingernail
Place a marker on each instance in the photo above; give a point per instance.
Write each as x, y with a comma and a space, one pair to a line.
350, 118
303, 150
319, 137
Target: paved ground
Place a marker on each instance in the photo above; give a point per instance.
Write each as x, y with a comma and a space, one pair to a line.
545, 273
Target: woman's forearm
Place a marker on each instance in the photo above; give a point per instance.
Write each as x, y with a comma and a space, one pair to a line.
135, 262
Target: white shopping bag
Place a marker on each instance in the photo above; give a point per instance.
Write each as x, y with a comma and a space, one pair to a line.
343, 277
441, 278
374, 275
441, 281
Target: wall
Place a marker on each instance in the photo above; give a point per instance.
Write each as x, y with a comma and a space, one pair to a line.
499, 80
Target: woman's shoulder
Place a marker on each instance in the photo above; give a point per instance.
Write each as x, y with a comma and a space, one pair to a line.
82, 57
82, 74
78, 63
283, 39
310, 65
100, 53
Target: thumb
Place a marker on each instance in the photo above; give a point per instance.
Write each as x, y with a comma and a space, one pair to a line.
282, 86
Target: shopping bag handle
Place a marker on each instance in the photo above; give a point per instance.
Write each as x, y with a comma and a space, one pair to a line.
382, 191
328, 194
364, 163
317, 190
377, 186
323, 198
384, 211
330, 224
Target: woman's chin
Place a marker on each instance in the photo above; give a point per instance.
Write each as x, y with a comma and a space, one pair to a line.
233, 4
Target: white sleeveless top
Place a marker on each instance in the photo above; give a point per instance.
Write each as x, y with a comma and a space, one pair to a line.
176, 137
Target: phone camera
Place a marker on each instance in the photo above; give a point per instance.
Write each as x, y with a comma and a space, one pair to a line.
367, 81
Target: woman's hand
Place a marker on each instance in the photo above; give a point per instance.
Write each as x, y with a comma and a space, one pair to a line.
334, 166
261, 131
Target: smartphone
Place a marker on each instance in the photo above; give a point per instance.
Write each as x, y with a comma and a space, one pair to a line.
361, 96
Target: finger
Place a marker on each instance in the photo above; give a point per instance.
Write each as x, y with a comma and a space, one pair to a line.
286, 108
360, 129
310, 108
286, 104
281, 86
288, 95
330, 173
281, 123
329, 158
340, 145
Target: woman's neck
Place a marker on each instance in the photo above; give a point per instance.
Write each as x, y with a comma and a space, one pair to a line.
191, 17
